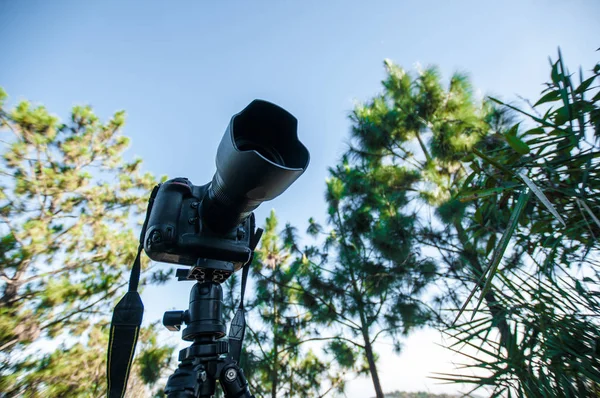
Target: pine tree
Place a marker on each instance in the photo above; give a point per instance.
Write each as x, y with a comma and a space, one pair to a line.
432, 144
392, 202
276, 359
68, 206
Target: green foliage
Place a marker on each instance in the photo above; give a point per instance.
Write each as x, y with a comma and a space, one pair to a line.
406, 151
473, 166
421, 394
407, 162
343, 353
553, 350
564, 166
551, 311
153, 358
450, 211
498, 253
277, 360
79, 370
68, 203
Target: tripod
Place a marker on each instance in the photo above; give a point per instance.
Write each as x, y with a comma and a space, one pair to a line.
208, 359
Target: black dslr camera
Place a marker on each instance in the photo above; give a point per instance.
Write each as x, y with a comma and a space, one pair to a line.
211, 227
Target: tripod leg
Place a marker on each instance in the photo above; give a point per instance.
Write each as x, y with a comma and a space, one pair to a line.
190, 381
182, 382
233, 382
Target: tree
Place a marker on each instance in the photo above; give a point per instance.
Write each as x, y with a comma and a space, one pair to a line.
396, 221
474, 177
275, 359
554, 164
375, 195
370, 287
68, 202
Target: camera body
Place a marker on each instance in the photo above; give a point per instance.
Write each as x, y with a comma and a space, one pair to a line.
176, 233
211, 227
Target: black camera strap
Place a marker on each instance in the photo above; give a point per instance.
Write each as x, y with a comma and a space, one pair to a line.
237, 330
126, 322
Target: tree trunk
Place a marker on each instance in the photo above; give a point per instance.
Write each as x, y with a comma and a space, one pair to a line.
274, 382
274, 369
368, 347
372, 366
369, 352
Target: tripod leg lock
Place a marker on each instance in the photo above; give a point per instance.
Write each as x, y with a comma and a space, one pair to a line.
234, 383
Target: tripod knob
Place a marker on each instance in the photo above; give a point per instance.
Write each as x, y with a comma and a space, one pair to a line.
173, 320
234, 382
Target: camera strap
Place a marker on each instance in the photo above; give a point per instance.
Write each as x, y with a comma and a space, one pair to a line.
126, 322
237, 330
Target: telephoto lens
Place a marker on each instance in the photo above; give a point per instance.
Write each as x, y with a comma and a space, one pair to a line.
258, 158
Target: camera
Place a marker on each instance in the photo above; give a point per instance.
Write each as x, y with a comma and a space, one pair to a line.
211, 226
211, 229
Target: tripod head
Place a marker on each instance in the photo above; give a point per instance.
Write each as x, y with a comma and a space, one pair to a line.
204, 318
210, 357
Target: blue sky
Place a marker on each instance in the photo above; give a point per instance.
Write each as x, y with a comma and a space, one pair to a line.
182, 69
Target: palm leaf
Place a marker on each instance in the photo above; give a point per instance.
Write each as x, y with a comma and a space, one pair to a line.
538, 192
498, 253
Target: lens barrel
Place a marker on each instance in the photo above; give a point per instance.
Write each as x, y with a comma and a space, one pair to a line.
258, 158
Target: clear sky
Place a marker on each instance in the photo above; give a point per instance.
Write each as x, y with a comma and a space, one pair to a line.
182, 69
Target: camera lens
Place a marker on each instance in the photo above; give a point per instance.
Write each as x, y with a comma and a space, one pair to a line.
268, 152
258, 158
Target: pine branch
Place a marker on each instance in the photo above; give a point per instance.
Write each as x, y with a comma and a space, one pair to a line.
83, 309
423, 147
320, 339
350, 323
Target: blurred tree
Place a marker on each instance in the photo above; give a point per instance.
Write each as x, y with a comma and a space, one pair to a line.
275, 358
552, 305
68, 202
403, 167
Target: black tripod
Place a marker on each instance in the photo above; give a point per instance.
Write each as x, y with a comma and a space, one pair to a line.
208, 359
